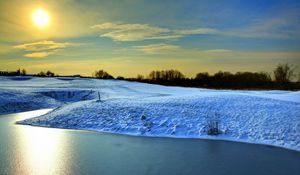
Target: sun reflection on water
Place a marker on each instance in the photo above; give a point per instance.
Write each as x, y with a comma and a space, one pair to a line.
42, 149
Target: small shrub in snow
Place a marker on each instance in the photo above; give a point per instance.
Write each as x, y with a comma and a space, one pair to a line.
143, 117
147, 125
213, 127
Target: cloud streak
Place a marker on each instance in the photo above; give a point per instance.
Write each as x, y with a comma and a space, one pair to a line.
43, 48
218, 51
42, 45
276, 27
38, 54
197, 31
138, 32
156, 48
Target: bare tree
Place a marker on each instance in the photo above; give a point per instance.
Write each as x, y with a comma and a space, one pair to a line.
283, 73
41, 74
102, 75
23, 72
140, 77
18, 72
50, 74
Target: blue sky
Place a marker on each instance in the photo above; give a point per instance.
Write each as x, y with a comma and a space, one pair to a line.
133, 37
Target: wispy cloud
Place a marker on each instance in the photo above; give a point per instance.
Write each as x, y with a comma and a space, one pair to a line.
156, 48
138, 32
42, 45
38, 54
196, 31
43, 48
217, 51
278, 28
132, 32
262, 28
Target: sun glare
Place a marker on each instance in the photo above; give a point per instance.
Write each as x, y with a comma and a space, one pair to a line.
40, 18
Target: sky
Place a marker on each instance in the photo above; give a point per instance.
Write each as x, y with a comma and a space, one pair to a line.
131, 37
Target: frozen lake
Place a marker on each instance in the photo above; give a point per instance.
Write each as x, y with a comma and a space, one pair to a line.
35, 150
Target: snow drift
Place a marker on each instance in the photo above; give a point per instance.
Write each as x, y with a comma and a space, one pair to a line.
267, 117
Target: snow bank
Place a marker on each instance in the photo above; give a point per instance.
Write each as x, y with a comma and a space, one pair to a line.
267, 117
18, 101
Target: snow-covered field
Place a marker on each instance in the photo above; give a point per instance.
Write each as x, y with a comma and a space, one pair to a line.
266, 117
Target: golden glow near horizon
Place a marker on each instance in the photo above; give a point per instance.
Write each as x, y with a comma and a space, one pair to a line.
40, 18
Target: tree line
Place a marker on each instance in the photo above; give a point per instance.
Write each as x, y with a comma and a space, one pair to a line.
18, 72
283, 73
23, 72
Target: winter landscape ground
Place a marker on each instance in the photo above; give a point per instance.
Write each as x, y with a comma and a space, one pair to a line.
263, 117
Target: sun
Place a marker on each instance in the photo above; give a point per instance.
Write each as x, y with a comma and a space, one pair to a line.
40, 18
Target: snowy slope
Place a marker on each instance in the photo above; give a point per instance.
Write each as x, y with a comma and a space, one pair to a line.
267, 117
